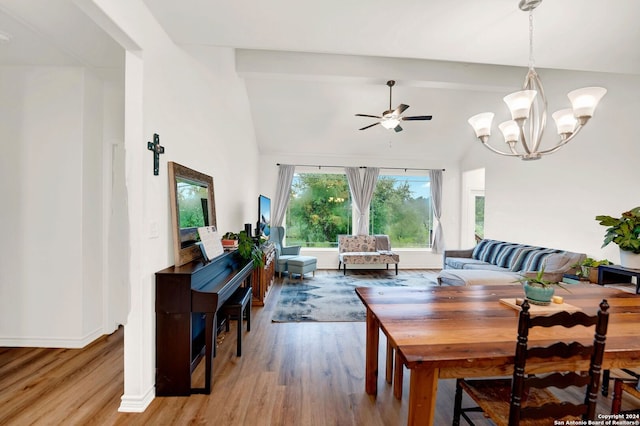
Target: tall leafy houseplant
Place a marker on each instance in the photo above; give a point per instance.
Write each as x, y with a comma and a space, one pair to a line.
624, 231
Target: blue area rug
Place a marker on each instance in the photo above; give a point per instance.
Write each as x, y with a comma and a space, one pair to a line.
333, 298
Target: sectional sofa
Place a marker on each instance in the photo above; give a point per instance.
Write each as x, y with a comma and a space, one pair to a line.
502, 262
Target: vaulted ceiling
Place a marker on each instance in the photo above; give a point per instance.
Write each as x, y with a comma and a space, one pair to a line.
309, 67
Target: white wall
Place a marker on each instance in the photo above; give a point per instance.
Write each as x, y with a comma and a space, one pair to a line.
553, 201
202, 116
50, 184
92, 207
115, 262
472, 186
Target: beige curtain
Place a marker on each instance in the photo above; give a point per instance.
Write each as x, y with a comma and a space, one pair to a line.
361, 193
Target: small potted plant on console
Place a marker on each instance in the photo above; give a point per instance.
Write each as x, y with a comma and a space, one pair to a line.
230, 241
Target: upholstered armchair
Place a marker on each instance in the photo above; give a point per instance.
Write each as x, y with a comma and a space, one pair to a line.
283, 254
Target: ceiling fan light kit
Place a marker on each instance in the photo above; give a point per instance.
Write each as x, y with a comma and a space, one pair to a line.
391, 118
528, 109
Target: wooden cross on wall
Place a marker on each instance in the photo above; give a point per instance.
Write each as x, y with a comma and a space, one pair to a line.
157, 150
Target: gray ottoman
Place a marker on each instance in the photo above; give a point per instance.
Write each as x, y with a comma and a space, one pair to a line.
302, 265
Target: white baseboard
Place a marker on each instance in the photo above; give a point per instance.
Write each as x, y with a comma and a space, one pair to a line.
51, 342
136, 404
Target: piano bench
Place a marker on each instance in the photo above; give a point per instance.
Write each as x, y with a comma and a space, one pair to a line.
236, 305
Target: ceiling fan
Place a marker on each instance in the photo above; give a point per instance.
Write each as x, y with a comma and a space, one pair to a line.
391, 118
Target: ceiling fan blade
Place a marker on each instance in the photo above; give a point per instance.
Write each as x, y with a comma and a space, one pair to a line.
397, 128
416, 117
367, 115
370, 125
401, 108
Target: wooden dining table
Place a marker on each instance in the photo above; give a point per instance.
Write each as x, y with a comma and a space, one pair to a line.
454, 332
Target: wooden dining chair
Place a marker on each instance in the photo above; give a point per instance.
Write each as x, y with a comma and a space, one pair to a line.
625, 380
525, 399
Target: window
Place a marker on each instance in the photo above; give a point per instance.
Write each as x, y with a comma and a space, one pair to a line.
320, 209
479, 212
401, 208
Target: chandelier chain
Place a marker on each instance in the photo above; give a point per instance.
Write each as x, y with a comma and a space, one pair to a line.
531, 60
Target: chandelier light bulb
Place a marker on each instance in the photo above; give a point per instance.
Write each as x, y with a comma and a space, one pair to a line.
519, 103
565, 121
585, 100
481, 123
510, 130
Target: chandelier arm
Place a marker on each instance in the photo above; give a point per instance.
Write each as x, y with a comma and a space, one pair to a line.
497, 151
538, 115
523, 139
562, 142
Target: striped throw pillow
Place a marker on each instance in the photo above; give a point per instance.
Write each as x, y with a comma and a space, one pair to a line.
536, 259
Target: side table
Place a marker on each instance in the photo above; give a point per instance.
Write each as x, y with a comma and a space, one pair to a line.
615, 274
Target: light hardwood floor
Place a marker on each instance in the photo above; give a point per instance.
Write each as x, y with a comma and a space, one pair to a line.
289, 374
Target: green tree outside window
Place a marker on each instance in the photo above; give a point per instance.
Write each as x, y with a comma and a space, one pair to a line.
320, 210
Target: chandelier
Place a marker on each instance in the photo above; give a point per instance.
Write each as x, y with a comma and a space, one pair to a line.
523, 133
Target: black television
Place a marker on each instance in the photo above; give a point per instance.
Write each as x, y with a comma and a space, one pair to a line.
264, 216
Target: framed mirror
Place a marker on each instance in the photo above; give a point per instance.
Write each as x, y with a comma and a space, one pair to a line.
192, 206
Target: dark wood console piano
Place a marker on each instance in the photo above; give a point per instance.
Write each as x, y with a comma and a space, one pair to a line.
187, 299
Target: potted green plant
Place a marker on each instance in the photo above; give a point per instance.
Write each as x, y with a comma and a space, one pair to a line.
230, 240
537, 289
249, 250
588, 268
625, 232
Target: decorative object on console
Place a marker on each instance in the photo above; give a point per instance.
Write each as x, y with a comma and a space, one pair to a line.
390, 119
230, 241
523, 109
625, 232
192, 206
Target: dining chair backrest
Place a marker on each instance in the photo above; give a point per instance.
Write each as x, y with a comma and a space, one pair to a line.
561, 353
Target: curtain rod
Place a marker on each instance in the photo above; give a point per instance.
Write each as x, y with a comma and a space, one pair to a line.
362, 167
